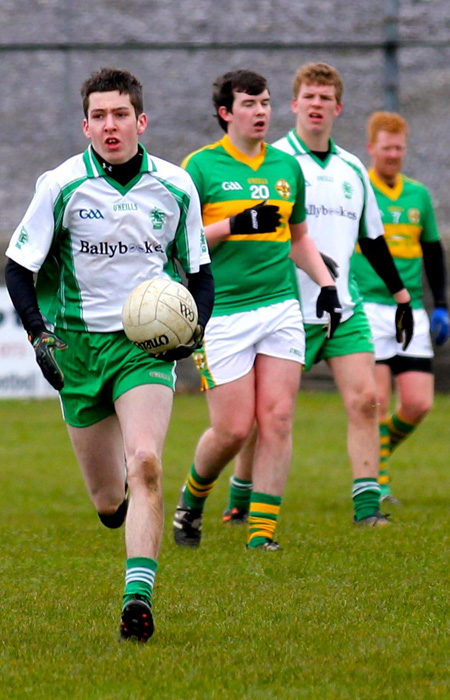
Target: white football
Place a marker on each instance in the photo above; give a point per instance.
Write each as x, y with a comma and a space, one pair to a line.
159, 315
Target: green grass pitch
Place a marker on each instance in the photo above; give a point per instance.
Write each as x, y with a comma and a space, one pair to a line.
339, 613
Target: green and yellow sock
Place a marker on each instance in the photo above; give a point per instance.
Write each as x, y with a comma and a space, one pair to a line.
197, 489
262, 520
385, 453
240, 494
366, 497
399, 430
139, 578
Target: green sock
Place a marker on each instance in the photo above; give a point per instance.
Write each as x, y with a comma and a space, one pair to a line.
399, 430
385, 453
240, 494
139, 578
262, 519
197, 489
366, 497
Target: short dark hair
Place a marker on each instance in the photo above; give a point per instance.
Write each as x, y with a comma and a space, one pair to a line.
226, 85
109, 79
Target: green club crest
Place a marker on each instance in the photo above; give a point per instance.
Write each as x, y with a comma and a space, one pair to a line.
348, 190
157, 217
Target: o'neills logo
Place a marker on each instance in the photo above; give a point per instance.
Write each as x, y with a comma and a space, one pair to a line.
153, 343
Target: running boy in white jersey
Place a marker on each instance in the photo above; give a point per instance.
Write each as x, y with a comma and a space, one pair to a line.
412, 236
98, 225
252, 198
341, 210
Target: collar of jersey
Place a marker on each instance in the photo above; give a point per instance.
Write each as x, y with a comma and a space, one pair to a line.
301, 148
253, 162
390, 192
94, 169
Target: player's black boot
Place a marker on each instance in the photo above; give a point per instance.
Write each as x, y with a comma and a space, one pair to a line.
137, 620
235, 516
187, 524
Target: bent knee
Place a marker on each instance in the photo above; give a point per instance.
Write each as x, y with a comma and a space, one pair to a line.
233, 437
416, 411
107, 503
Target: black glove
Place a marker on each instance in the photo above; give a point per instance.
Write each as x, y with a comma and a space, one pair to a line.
404, 324
183, 351
333, 267
328, 300
44, 344
264, 218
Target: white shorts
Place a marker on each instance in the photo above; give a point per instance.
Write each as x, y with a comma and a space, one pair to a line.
232, 342
382, 323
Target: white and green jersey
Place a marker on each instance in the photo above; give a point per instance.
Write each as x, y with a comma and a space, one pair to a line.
92, 240
250, 270
408, 219
340, 207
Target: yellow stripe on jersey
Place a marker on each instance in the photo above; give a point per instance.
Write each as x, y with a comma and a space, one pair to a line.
403, 240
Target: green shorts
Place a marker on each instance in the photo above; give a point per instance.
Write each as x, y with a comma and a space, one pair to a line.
350, 337
100, 367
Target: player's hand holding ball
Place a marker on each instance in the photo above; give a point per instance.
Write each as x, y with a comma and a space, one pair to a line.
160, 316
183, 351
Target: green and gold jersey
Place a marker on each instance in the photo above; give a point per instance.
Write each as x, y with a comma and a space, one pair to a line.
254, 270
408, 219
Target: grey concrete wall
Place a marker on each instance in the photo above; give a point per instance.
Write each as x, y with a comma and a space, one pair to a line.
178, 48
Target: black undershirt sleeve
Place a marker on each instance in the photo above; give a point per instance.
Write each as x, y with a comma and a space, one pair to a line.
377, 253
434, 264
201, 286
20, 285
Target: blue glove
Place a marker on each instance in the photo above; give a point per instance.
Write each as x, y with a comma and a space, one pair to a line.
440, 325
